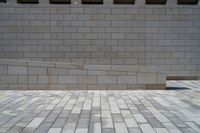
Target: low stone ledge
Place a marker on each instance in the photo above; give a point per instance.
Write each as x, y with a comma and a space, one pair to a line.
16, 74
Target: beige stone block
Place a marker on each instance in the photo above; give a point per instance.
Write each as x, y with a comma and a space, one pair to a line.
146, 78
57, 87
38, 87
10, 79
93, 72
107, 79
136, 87
17, 70
32, 79
125, 68
57, 71
3, 69
161, 78
41, 64
97, 87
127, 80
4, 86
87, 79
22, 79
116, 87
71, 65
77, 72
117, 73
47, 79
67, 80
77, 87
37, 70
18, 87
97, 67
156, 86
16, 29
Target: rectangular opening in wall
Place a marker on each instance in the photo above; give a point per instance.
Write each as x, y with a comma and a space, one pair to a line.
124, 1
28, 1
3, 1
92, 1
60, 1
187, 2
161, 2
182, 78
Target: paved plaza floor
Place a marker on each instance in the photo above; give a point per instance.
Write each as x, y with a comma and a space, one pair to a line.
176, 110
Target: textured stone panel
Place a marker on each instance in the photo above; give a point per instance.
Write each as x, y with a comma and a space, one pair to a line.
67, 79
107, 79
17, 70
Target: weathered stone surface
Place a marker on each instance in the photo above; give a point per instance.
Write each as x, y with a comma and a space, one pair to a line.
45, 76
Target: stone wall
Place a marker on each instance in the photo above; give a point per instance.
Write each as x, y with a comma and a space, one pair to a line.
161, 36
48, 75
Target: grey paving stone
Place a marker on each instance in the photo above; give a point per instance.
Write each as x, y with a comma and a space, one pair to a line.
188, 130
178, 122
117, 118
90, 111
83, 123
51, 118
154, 122
134, 130
108, 130
43, 128
59, 123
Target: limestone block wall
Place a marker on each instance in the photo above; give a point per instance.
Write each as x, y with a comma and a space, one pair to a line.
49, 75
161, 36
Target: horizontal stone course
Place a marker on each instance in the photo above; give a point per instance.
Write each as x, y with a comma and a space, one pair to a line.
49, 75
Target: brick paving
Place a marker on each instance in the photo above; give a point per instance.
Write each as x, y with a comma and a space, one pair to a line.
101, 111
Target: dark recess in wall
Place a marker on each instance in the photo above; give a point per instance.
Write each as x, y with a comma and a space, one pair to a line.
92, 1
3, 1
124, 1
60, 1
187, 2
162, 2
28, 1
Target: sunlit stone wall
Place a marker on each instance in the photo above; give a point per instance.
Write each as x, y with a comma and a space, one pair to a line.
164, 36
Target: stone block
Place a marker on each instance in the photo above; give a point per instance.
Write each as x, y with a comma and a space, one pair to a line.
156, 86
3, 69
17, 86
97, 87
67, 79
87, 80
41, 64
126, 79
76, 87
17, 70
136, 87
146, 78
47, 79
22, 79
77, 72
10, 79
4, 86
116, 87
32, 79
93, 72
57, 71
97, 67
107, 79
38, 87
116, 73
161, 78
37, 70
